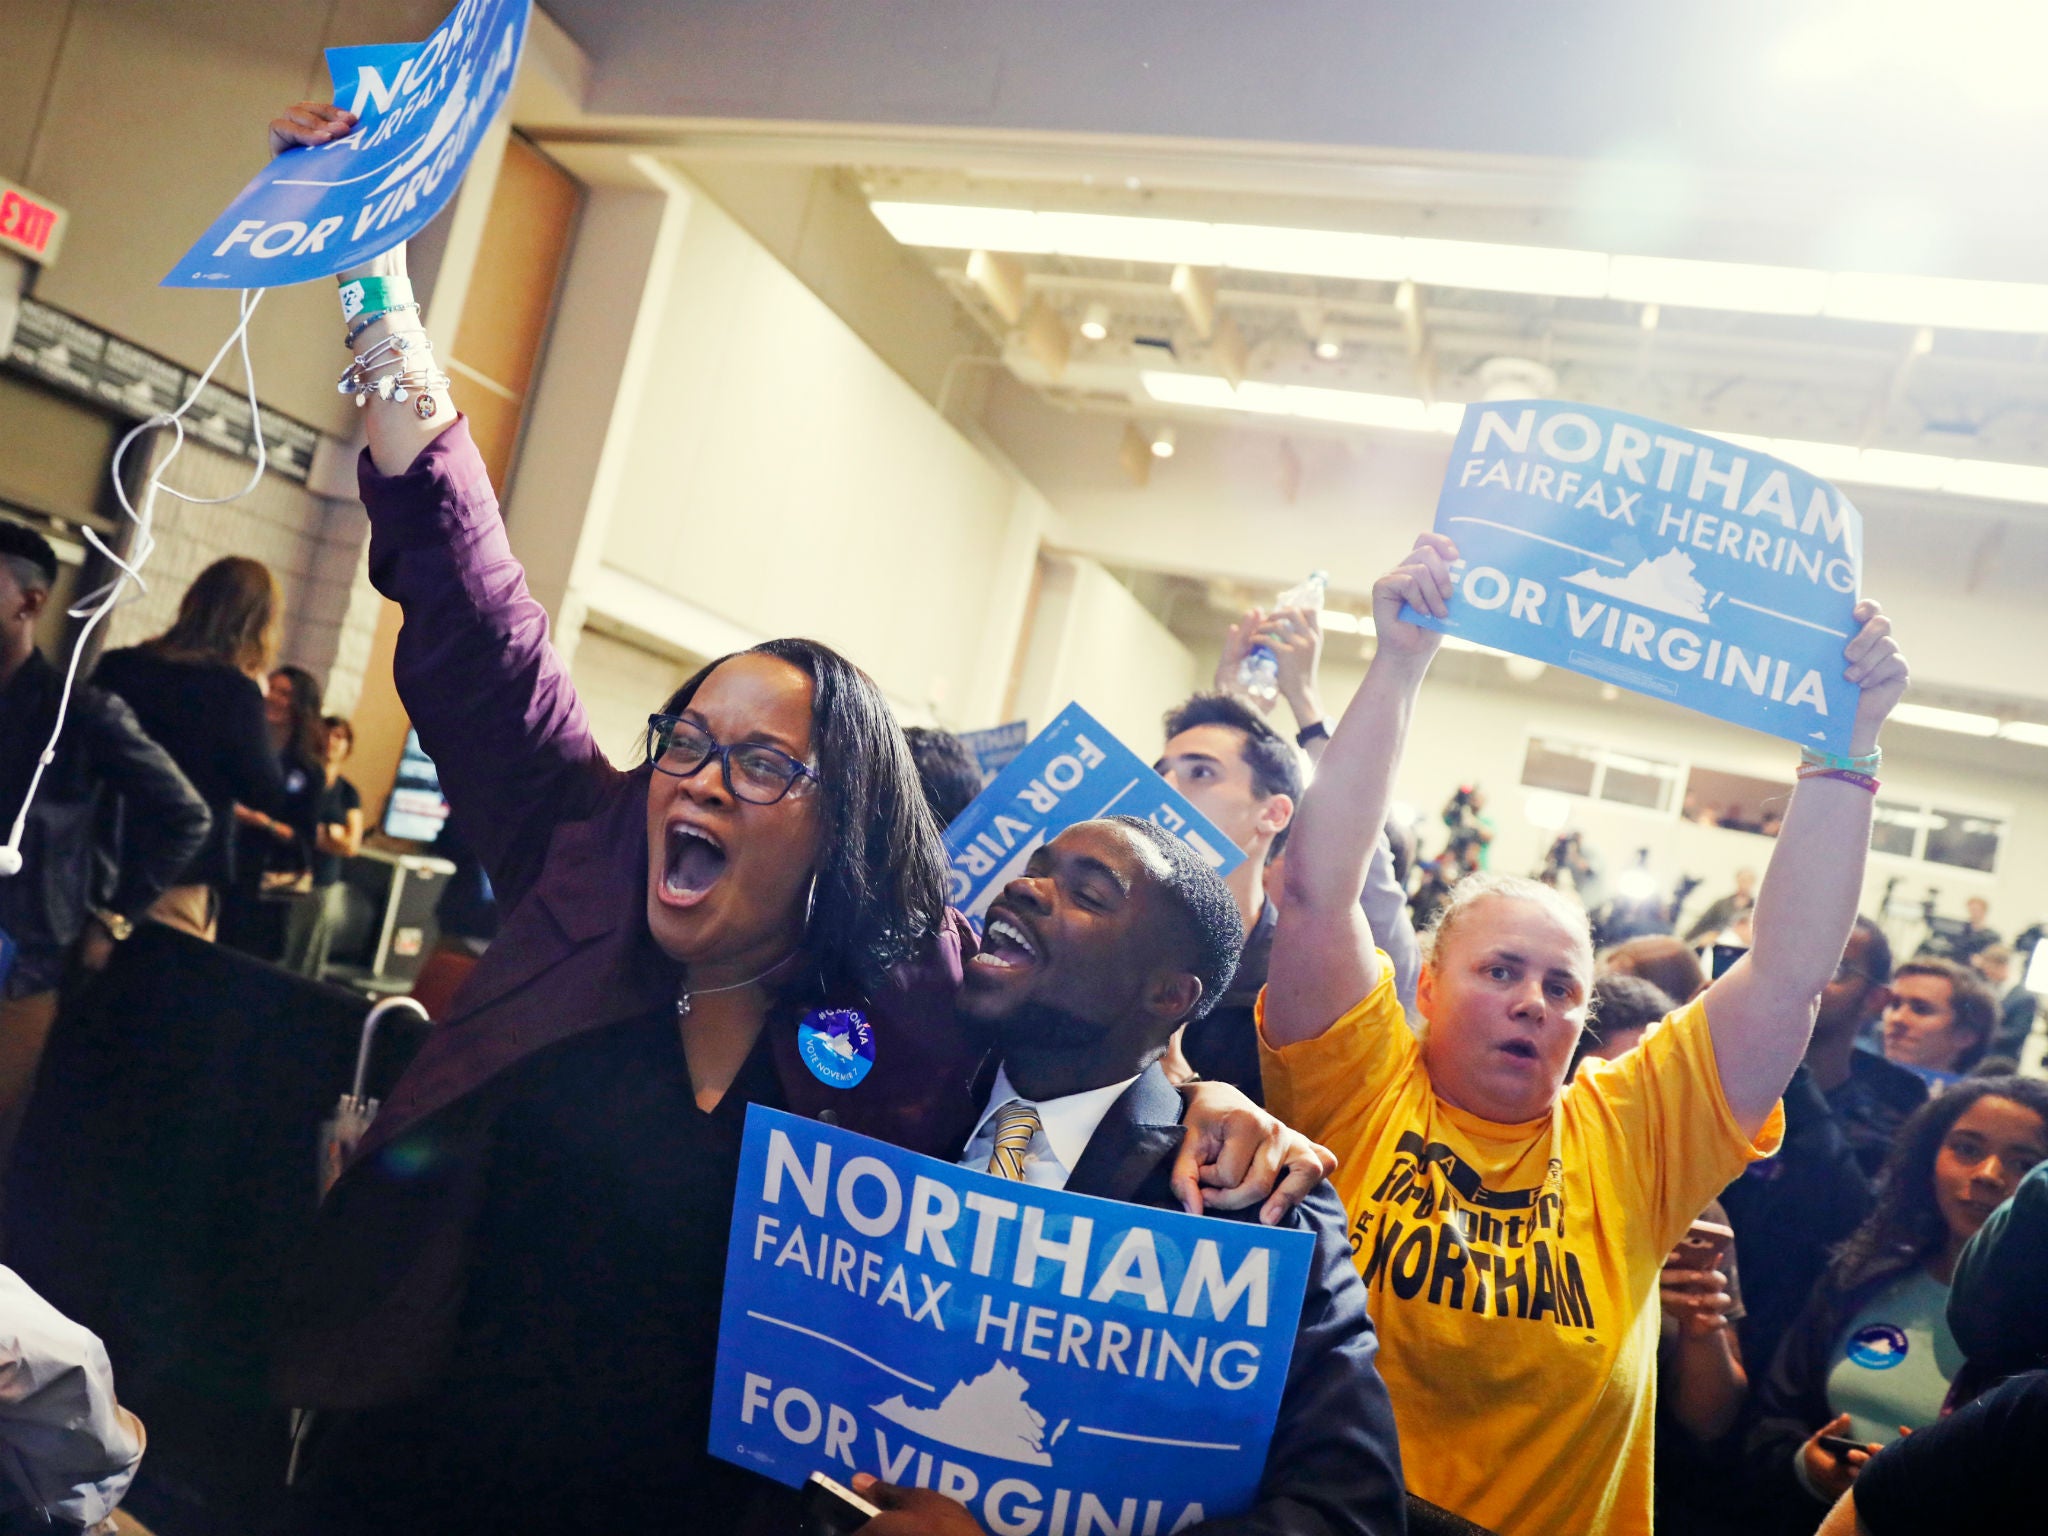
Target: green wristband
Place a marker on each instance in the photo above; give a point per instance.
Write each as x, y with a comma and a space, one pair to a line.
1869, 763
373, 296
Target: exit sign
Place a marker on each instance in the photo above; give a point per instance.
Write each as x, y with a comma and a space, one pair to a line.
29, 225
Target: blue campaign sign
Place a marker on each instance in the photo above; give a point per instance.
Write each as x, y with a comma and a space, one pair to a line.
1054, 1362
1668, 562
423, 108
1073, 770
997, 747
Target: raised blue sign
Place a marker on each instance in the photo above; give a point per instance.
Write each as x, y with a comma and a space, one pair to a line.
1052, 1361
422, 107
1664, 561
1072, 771
997, 747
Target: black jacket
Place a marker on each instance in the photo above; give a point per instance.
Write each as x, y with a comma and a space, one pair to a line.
1334, 1465
103, 762
1792, 1400
1792, 1211
1224, 1043
210, 718
1872, 1103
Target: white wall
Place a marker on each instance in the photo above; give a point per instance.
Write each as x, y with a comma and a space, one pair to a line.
777, 476
621, 684
1094, 644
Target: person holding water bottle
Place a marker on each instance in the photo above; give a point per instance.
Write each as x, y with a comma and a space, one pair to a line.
1269, 656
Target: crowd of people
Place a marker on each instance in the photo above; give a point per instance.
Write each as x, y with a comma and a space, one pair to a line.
1601, 1240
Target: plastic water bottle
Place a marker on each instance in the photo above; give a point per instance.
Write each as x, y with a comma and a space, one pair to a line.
1259, 673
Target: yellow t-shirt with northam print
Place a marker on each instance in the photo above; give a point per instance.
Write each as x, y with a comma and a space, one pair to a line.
1511, 1270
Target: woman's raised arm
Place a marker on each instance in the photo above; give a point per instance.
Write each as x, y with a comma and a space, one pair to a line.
1324, 956
1761, 1011
398, 430
491, 699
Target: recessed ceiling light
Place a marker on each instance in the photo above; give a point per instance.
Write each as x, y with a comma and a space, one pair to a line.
1162, 443
1095, 323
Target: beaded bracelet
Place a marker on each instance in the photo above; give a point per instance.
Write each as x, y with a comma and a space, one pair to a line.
371, 319
1846, 775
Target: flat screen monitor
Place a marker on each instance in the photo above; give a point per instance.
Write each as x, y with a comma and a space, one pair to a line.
416, 809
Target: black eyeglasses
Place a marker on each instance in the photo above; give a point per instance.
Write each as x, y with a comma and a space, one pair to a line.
757, 774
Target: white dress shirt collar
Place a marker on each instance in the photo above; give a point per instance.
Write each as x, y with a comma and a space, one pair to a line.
1066, 1125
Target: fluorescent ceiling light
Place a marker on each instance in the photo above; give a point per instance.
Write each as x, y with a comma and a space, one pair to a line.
1831, 461
1717, 285
949, 227
1203, 389
1890, 298
1119, 237
1960, 721
1507, 268
1999, 482
1348, 407
1841, 462
1955, 303
1312, 252
1907, 471
2025, 730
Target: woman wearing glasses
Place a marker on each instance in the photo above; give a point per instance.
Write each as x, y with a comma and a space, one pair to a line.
509, 1316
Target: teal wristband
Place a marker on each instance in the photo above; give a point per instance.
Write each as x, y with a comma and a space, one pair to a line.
373, 296
1834, 762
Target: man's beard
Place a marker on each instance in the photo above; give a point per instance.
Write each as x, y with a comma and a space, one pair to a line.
1035, 1028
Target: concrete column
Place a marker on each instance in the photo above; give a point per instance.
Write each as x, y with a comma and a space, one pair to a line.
586, 406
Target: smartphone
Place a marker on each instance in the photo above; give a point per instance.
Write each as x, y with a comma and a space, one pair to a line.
1725, 956
831, 1509
1702, 1246
1839, 1446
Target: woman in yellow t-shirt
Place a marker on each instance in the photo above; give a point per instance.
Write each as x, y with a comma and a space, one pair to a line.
1509, 1229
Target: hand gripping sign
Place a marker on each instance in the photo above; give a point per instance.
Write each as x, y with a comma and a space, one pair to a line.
1072, 771
1054, 1362
1670, 563
423, 108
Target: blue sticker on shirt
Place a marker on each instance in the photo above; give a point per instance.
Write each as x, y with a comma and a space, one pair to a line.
1878, 1347
838, 1045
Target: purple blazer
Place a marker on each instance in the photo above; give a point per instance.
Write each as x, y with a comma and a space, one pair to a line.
370, 1311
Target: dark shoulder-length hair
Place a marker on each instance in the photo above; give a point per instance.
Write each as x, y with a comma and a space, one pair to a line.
1906, 1221
305, 740
881, 891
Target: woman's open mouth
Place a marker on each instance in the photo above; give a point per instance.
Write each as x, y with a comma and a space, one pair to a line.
691, 865
1521, 1050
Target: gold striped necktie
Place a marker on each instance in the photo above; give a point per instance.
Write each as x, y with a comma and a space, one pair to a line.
1016, 1124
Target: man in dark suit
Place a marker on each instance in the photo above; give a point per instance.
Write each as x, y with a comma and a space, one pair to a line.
1115, 935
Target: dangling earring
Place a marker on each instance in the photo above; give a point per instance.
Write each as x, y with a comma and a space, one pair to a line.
810, 903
